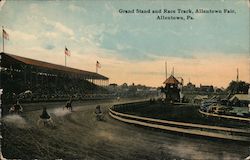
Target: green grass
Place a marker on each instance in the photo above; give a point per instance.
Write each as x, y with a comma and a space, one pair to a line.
182, 113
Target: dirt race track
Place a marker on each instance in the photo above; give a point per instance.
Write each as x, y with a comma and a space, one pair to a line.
78, 135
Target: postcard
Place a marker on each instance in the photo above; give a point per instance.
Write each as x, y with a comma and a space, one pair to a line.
125, 80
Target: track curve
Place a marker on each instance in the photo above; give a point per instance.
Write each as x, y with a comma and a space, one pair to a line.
78, 135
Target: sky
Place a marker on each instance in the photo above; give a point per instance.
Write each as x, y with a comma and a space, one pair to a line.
133, 47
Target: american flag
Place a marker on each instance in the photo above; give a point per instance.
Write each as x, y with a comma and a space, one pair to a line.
5, 35
98, 65
67, 52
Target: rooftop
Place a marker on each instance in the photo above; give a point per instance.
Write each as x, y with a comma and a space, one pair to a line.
171, 80
241, 97
10, 58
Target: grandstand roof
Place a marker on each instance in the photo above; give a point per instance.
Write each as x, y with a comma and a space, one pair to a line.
18, 59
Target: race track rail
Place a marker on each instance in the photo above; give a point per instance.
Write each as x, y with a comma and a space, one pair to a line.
225, 116
187, 128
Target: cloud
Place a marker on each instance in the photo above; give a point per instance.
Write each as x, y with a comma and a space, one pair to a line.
2, 4
51, 35
59, 27
110, 8
122, 46
34, 8
18, 35
63, 28
93, 34
49, 46
127, 44
245, 2
219, 67
87, 41
147, 73
74, 8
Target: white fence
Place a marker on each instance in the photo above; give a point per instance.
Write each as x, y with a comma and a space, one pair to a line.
187, 128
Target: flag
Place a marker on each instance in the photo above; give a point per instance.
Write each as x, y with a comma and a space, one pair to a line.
98, 65
67, 52
5, 35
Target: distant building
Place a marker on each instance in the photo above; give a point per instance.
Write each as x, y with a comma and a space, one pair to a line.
240, 100
113, 85
218, 90
206, 88
124, 85
171, 89
189, 87
199, 98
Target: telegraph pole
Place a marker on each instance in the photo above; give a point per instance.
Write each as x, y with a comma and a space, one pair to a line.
3, 38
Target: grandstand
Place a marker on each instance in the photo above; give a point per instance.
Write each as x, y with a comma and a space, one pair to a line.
47, 81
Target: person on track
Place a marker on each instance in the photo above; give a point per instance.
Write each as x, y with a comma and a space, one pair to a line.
45, 118
98, 109
68, 104
16, 108
45, 114
98, 112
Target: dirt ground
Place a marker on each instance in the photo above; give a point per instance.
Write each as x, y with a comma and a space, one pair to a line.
78, 135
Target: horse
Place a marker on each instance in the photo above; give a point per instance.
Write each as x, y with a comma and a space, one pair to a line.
68, 105
16, 108
45, 119
99, 114
46, 122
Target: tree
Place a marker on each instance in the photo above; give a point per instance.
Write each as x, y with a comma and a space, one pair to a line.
238, 87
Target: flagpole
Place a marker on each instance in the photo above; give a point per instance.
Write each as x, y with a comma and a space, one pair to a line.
166, 69
65, 56
3, 38
96, 68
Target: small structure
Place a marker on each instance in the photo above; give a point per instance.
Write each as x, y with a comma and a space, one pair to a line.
240, 100
206, 88
189, 87
199, 98
172, 90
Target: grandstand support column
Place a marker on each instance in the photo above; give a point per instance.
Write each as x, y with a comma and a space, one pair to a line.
42, 79
56, 80
30, 75
36, 77
11, 72
25, 74
47, 79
